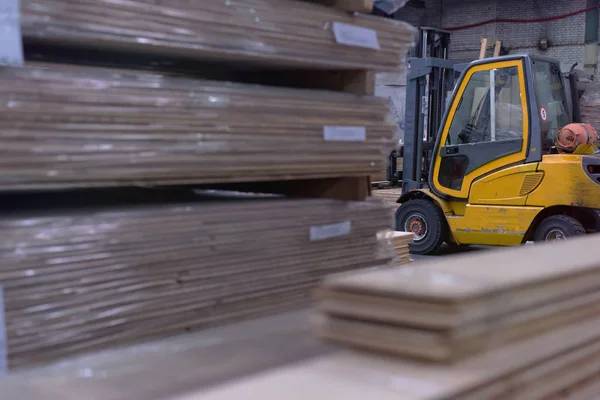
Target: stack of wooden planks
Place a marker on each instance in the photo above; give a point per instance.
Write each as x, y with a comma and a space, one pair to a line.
289, 33
87, 279
500, 293
390, 196
399, 242
449, 310
561, 364
83, 127
254, 95
476, 310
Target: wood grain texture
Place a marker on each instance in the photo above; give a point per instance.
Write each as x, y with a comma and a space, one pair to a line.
86, 279
63, 127
365, 6
389, 196
462, 308
533, 369
556, 364
273, 32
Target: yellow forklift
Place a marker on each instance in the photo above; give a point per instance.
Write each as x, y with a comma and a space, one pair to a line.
498, 171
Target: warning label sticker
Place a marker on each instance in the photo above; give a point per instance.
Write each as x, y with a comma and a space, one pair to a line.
544, 114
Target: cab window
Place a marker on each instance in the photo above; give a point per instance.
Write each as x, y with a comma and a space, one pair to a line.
552, 99
485, 115
489, 111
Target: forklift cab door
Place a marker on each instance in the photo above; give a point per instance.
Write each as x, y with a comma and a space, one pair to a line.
487, 126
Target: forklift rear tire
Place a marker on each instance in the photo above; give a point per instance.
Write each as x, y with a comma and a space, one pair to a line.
426, 221
558, 227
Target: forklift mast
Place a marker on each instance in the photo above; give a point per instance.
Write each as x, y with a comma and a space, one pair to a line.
431, 77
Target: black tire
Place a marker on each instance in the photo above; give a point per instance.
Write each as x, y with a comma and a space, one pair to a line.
558, 227
423, 214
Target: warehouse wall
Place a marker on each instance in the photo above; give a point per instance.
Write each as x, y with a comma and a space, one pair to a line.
566, 35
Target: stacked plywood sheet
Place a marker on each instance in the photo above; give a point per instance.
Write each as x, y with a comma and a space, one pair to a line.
561, 362
89, 127
552, 364
448, 310
390, 196
519, 324
91, 278
291, 33
399, 242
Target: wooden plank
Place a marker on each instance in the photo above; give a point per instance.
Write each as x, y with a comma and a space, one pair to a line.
365, 6
497, 48
451, 309
247, 133
216, 31
128, 281
506, 270
349, 375
483, 49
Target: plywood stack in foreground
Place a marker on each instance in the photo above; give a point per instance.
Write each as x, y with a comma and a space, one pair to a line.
92, 278
560, 360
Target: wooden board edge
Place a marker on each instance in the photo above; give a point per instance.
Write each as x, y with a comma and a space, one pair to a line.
362, 6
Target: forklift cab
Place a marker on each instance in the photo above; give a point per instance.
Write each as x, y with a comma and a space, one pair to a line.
504, 112
495, 175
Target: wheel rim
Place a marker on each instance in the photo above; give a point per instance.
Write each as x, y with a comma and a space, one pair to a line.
555, 234
416, 224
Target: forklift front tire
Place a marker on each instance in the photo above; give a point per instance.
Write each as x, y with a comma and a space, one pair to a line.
558, 227
426, 221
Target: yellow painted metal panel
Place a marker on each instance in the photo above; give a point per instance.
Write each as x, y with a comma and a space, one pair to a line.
505, 187
493, 225
565, 183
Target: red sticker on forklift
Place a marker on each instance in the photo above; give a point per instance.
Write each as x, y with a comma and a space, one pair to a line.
543, 114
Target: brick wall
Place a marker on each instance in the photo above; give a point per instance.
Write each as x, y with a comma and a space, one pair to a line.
566, 36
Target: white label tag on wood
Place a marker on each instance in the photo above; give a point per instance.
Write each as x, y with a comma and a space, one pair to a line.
11, 44
3, 339
351, 35
322, 232
345, 133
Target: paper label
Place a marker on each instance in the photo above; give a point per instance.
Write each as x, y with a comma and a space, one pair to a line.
11, 44
322, 232
345, 133
3, 340
351, 35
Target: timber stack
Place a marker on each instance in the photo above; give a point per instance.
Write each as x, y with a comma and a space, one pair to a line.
508, 324
180, 164
518, 324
